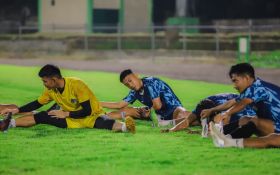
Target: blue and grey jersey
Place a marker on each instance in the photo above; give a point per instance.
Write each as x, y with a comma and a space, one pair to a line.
219, 99
155, 88
266, 100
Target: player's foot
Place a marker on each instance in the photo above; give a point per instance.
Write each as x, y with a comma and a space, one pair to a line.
218, 142
221, 140
4, 124
130, 124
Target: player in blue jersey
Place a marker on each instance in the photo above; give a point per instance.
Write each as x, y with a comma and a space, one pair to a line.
211, 102
262, 96
150, 91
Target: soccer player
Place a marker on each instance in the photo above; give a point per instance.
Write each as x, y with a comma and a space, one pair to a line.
221, 140
79, 106
151, 92
211, 102
262, 96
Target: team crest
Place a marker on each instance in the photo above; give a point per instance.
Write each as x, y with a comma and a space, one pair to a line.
73, 100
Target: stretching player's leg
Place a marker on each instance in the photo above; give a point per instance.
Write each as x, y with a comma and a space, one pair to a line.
258, 126
9, 106
231, 127
105, 122
185, 123
31, 120
264, 126
271, 140
180, 114
135, 112
43, 118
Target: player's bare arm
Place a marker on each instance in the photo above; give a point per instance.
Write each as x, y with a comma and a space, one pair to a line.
157, 104
114, 105
237, 107
207, 112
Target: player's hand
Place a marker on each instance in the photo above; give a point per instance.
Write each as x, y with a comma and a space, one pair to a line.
225, 117
205, 113
144, 112
8, 110
58, 113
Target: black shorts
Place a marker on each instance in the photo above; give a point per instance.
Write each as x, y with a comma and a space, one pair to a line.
44, 118
104, 122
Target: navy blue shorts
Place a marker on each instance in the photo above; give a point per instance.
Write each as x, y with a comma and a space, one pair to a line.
168, 115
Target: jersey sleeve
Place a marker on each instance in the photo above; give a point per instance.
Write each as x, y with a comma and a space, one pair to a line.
82, 91
130, 98
45, 98
255, 93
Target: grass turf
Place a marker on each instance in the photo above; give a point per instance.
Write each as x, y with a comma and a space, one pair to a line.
48, 150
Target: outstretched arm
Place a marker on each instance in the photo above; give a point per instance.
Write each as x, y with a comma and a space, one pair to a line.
114, 105
84, 112
207, 112
237, 107
25, 108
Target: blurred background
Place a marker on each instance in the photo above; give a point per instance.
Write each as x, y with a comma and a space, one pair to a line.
196, 30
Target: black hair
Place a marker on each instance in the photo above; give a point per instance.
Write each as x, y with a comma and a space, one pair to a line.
205, 104
125, 73
49, 70
242, 69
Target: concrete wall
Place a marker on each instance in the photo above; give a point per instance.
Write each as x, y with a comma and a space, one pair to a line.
71, 15
65, 15
106, 4
136, 14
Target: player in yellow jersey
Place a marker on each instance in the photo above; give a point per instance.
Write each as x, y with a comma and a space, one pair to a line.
79, 108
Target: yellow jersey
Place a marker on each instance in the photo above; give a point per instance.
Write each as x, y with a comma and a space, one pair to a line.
75, 92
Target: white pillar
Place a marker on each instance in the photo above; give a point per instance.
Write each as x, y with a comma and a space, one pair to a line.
181, 8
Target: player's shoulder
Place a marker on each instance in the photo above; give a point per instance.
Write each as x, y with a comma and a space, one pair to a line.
151, 79
258, 86
74, 81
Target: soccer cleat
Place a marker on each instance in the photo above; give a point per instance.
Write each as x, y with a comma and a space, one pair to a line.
130, 124
4, 124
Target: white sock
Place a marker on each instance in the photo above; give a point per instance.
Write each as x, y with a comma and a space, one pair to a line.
123, 115
204, 131
220, 140
124, 129
12, 123
173, 122
228, 136
234, 143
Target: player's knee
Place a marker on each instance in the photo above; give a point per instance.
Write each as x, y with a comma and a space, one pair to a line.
274, 140
255, 120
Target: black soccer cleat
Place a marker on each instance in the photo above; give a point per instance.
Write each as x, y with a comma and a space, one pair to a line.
4, 124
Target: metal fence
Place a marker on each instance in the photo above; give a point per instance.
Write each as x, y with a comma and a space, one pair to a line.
214, 38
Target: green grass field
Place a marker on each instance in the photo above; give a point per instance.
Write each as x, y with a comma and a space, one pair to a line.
48, 150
